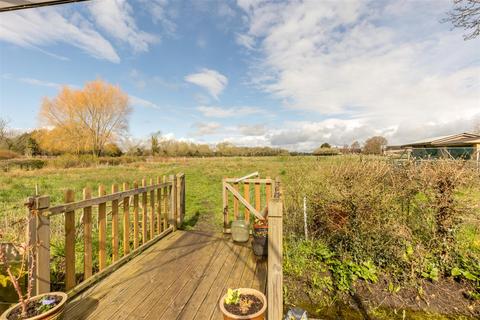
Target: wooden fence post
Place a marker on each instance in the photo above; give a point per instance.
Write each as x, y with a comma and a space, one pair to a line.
102, 230
275, 259
173, 204
69, 243
87, 236
39, 236
225, 204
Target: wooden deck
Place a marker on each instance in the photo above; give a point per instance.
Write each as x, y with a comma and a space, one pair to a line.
182, 276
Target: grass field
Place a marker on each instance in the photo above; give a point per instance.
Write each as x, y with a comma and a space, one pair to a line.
317, 272
204, 181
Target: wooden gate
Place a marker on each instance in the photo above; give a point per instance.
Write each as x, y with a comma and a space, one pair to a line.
249, 197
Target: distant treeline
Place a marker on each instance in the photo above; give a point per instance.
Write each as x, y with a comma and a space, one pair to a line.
42, 143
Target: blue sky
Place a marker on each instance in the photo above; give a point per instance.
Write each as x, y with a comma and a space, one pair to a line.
291, 74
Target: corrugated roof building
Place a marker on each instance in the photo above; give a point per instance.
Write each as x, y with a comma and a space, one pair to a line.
458, 146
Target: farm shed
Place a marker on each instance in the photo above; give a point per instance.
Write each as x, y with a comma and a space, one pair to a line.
457, 146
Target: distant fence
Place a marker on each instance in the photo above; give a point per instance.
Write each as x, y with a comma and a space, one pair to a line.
136, 219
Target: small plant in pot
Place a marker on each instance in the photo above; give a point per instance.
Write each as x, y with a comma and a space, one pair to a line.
260, 237
48, 306
243, 304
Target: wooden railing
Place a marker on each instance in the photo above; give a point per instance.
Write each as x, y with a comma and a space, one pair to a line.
267, 204
157, 209
253, 194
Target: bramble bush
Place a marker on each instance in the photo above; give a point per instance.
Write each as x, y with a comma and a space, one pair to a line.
411, 221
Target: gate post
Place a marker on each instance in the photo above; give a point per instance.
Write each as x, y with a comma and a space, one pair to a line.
39, 241
275, 256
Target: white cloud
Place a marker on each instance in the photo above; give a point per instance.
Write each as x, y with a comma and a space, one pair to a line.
137, 101
222, 112
47, 26
38, 82
390, 64
209, 128
211, 80
116, 18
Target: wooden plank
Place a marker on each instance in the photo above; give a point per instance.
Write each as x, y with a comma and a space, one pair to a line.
32, 237
149, 287
187, 284
275, 259
245, 203
225, 253
152, 211
225, 205
144, 213
268, 192
87, 236
109, 288
115, 266
253, 174
114, 225
165, 203
69, 242
135, 218
235, 203
102, 230
232, 180
159, 207
98, 200
126, 222
173, 204
258, 198
231, 281
42, 284
183, 198
246, 195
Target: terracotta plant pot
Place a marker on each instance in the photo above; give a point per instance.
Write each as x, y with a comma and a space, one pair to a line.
260, 315
55, 313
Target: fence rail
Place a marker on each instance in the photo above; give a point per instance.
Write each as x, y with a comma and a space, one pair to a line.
157, 209
255, 198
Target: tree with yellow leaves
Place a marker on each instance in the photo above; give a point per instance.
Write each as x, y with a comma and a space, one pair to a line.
84, 120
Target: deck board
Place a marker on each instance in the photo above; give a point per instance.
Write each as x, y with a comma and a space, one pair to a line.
181, 277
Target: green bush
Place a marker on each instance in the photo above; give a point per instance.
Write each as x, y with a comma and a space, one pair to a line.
413, 221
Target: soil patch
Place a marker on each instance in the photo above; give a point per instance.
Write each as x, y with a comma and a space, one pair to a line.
249, 304
35, 307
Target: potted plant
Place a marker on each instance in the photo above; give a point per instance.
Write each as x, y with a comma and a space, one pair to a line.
260, 237
47, 306
243, 304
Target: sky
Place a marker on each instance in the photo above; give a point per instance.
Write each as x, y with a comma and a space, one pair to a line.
290, 74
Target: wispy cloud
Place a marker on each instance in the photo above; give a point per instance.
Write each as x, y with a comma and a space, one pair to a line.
116, 18
47, 26
139, 102
224, 112
213, 81
208, 128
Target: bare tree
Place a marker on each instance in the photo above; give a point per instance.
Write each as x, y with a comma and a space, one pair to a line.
3, 129
466, 15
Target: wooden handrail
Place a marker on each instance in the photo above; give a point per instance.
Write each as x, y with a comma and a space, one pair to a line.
162, 209
107, 198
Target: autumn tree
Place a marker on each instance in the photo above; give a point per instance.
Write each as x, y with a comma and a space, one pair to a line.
375, 145
465, 15
84, 120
